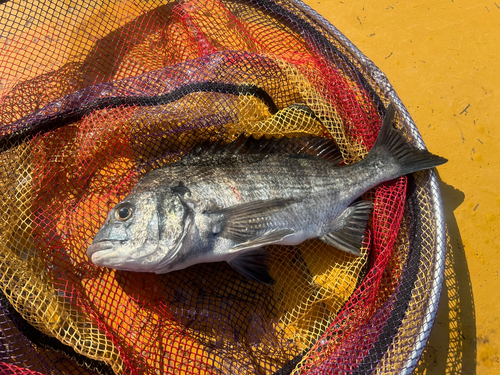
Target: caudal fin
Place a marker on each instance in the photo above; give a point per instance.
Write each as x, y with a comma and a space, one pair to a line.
391, 143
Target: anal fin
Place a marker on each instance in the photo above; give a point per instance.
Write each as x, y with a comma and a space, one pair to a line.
352, 224
253, 265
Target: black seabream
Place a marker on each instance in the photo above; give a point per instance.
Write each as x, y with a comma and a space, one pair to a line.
229, 203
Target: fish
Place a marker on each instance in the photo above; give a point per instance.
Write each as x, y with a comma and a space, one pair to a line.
228, 204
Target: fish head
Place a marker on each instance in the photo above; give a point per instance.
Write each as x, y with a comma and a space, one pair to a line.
143, 233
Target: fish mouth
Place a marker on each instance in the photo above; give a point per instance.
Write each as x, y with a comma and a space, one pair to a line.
100, 246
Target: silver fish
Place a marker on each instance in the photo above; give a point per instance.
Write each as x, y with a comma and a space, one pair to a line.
228, 205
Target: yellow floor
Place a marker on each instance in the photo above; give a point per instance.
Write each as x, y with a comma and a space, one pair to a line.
442, 59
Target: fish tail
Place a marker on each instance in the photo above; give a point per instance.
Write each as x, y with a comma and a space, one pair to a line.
393, 147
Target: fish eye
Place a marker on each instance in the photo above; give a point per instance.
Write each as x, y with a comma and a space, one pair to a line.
123, 213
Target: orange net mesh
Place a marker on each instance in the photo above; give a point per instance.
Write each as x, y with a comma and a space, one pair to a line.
95, 94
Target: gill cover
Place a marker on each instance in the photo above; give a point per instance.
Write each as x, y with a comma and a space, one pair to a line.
175, 218
142, 233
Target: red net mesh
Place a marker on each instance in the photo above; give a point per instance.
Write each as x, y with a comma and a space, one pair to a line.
93, 96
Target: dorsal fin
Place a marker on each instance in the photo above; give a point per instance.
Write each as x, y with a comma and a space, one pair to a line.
323, 148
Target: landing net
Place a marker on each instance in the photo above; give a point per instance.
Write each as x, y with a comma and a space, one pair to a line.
94, 94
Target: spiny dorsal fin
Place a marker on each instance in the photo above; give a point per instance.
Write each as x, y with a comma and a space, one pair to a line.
323, 148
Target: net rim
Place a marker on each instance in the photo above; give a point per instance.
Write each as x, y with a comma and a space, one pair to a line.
435, 195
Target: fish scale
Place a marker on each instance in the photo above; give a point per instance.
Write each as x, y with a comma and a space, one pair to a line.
229, 204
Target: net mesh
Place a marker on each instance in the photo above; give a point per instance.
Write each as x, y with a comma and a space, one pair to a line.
93, 95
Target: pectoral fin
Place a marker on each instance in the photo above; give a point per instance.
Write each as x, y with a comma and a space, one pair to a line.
267, 239
352, 224
252, 264
244, 221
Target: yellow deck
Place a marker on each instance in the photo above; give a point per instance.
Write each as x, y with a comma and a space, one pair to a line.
442, 59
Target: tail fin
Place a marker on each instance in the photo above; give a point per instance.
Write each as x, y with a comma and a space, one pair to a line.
392, 143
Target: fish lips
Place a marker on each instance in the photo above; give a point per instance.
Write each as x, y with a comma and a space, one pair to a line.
98, 249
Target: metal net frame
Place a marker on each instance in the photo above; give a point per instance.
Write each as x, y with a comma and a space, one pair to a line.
95, 94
